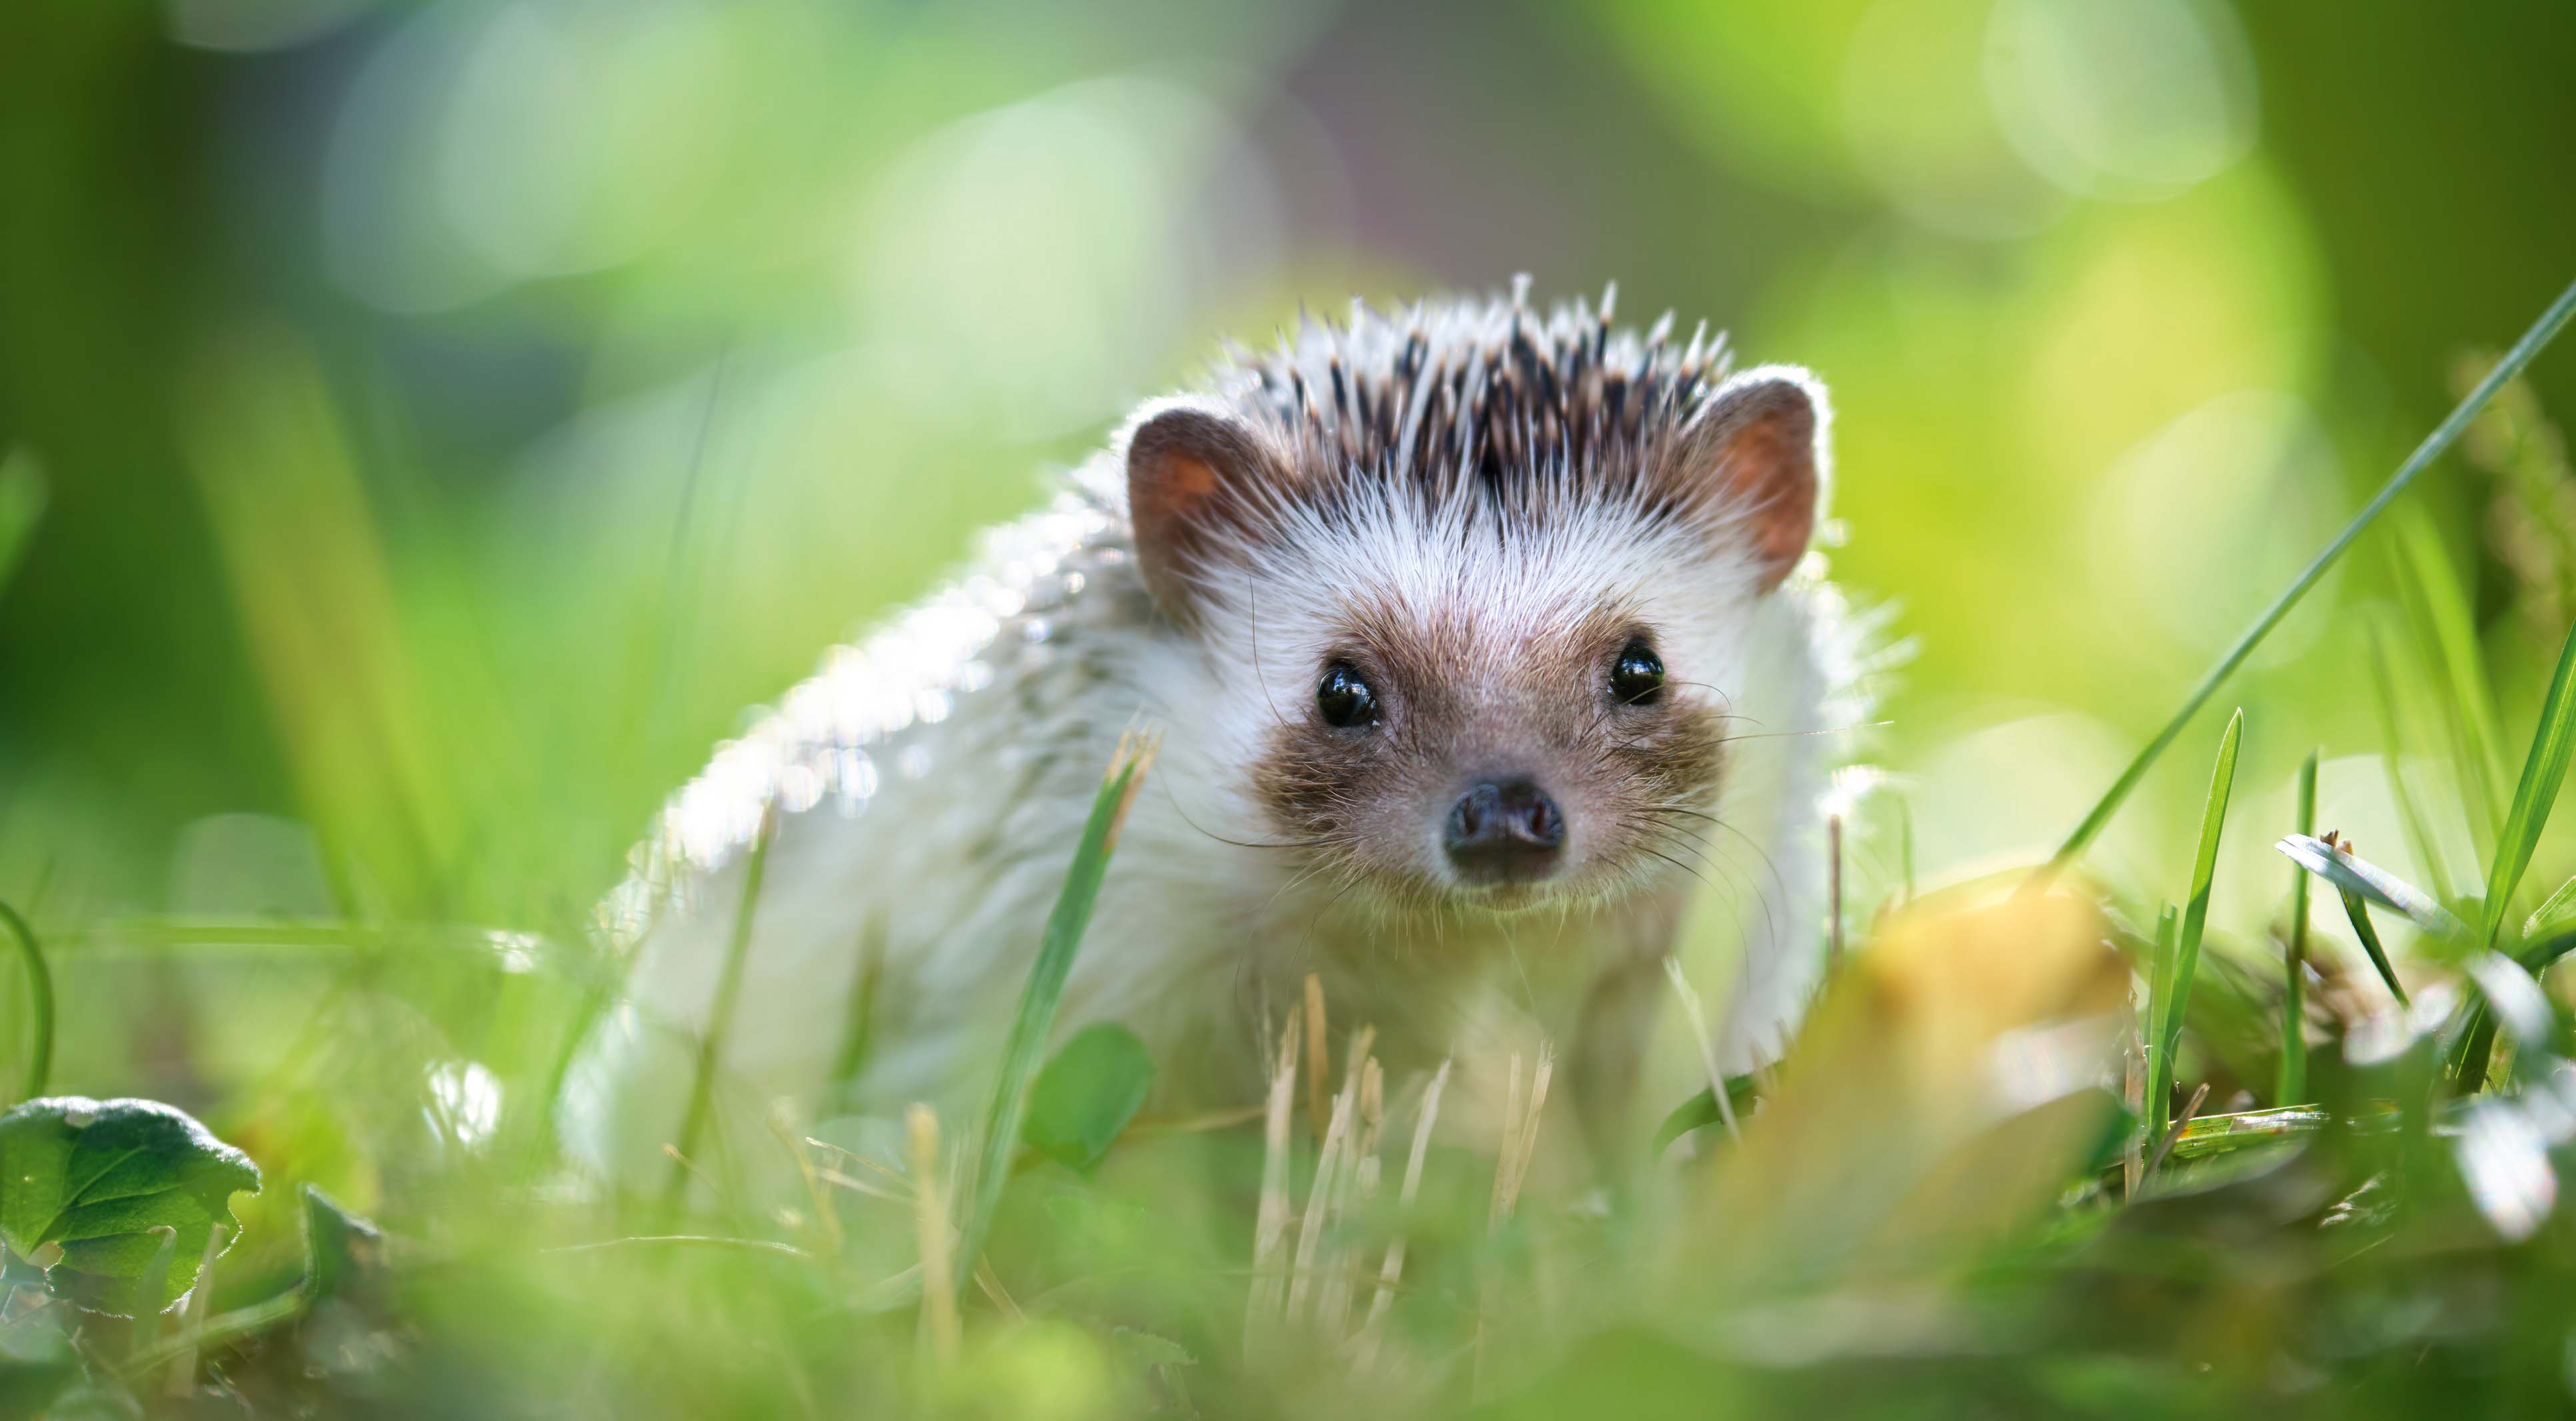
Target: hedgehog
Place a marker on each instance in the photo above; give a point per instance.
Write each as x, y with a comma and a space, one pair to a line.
1486, 647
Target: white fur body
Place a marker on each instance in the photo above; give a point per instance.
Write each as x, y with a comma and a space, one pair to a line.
929, 784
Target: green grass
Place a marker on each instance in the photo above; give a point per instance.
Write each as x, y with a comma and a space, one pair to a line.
2290, 1083
2178, 962
40, 1001
2441, 439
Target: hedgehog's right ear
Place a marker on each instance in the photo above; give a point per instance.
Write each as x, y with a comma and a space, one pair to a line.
1195, 478
1754, 460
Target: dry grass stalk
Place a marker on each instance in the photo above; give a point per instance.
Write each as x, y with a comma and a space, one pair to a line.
941, 1330
1137, 749
1319, 1085
182, 1378
1511, 1145
2133, 1161
1707, 1043
1321, 1199
1392, 1271
1511, 1170
1270, 1227
1361, 1113
991, 1284
1834, 896
826, 1216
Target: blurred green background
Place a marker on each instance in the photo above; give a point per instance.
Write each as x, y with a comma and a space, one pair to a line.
428, 426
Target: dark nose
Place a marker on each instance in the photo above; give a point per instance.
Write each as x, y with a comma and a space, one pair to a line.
1505, 831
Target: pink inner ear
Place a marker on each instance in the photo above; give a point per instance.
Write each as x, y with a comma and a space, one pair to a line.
1757, 457
1186, 470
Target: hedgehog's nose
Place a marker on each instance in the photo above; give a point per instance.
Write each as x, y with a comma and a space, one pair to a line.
1505, 831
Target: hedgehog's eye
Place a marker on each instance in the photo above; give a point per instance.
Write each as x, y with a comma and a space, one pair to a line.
1637, 677
1344, 699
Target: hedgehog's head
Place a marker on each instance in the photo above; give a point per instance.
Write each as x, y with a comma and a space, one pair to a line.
1476, 668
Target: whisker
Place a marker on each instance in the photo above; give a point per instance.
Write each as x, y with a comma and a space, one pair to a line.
1174, 800
1826, 730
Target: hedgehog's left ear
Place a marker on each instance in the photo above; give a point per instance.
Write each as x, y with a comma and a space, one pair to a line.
1196, 479
1754, 460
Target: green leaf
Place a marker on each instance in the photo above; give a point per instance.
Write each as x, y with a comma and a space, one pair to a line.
1700, 1111
344, 1257
339, 1246
2543, 771
2442, 437
83, 1183
1087, 1094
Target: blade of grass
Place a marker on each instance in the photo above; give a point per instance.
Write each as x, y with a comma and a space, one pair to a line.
2557, 910
1905, 843
2359, 913
858, 1022
22, 502
1833, 896
2442, 437
2441, 610
2392, 738
2195, 913
182, 1377
940, 1329
2217, 1134
40, 1002
2290, 1083
1034, 1022
711, 1042
2334, 862
2544, 770
2158, 1105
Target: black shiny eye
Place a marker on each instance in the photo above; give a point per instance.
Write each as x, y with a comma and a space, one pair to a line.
1637, 677
1344, 698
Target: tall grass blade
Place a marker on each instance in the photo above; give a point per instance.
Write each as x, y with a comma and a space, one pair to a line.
2358, 913
711, 1042
2157, 1114
941, 1331
1034, 1022
2290, 1082
2441, 609
2556, 912
2441, 439
40, 1003
22, 502
1905, 844
2392, 739
2543, 771
2195, 913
